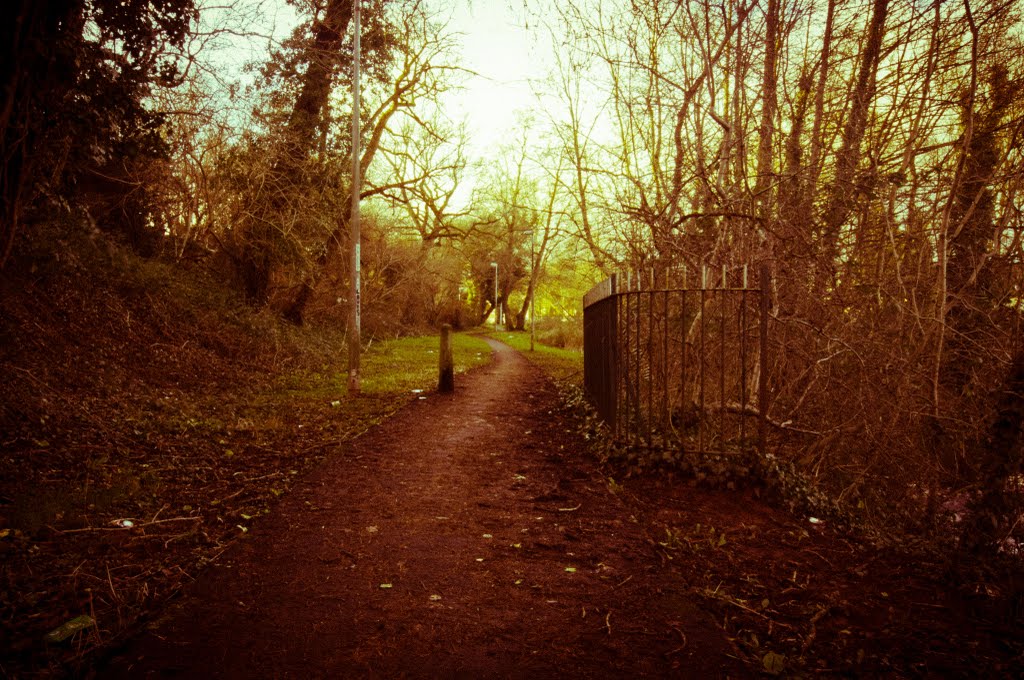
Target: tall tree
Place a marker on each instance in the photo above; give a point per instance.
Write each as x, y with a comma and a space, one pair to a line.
74, 76
843, 192
422, 70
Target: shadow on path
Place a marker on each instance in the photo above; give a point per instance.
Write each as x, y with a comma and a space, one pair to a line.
469, 536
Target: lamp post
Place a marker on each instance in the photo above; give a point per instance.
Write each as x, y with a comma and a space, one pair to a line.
497, 309
354, 331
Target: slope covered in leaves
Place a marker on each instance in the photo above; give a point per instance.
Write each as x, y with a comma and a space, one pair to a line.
148, 417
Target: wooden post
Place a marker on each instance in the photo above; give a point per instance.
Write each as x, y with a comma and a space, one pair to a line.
446, 373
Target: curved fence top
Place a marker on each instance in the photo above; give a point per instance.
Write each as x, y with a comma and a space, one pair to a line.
600, 291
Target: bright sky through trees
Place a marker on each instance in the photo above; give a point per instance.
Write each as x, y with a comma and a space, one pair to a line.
505, 48
504, 55
507, 52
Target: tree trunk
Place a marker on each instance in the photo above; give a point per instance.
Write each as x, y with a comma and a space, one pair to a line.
769, 108
843, 193
36, 72
994, 511
322, 64
817, 130
521, 315
971, 231
257, 261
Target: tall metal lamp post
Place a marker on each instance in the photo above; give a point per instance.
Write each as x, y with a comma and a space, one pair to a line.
354, 331
497, 309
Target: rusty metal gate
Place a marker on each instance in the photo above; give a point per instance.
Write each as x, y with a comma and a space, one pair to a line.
677, 369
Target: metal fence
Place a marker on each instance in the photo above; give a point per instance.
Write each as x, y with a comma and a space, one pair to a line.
677, 369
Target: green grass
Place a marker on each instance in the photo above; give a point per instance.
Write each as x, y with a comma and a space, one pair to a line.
390, 367
406, 364
390, 371
560, 364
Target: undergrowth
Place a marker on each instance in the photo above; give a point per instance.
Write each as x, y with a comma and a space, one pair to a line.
777, 480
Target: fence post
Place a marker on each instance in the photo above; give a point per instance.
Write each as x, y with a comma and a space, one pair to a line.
446, 373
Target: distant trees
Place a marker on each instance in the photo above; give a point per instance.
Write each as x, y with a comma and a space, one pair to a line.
518, 218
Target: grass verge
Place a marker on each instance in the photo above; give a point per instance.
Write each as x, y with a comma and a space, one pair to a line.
391, 373
412, 363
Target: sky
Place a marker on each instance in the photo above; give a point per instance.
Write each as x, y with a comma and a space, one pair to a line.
503, 44
505, 53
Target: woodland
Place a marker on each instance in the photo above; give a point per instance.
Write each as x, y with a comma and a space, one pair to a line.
868, 152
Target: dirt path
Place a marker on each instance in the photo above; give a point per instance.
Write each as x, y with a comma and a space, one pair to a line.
467, 536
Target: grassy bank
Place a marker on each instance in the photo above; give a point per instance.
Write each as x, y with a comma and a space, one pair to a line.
411, 363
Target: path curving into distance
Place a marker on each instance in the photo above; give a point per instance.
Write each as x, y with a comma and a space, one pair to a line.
468, 536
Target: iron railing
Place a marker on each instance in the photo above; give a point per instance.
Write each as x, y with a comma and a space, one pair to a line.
677, 369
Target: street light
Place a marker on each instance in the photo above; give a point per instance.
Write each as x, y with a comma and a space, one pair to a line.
354, 331
497, 309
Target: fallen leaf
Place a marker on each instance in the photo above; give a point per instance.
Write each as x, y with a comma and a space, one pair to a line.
385, 586
773, 663
69, 628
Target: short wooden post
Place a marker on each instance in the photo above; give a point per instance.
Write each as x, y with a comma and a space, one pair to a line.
446, 373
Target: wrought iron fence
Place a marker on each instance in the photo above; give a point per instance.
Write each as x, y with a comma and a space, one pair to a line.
677, 369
